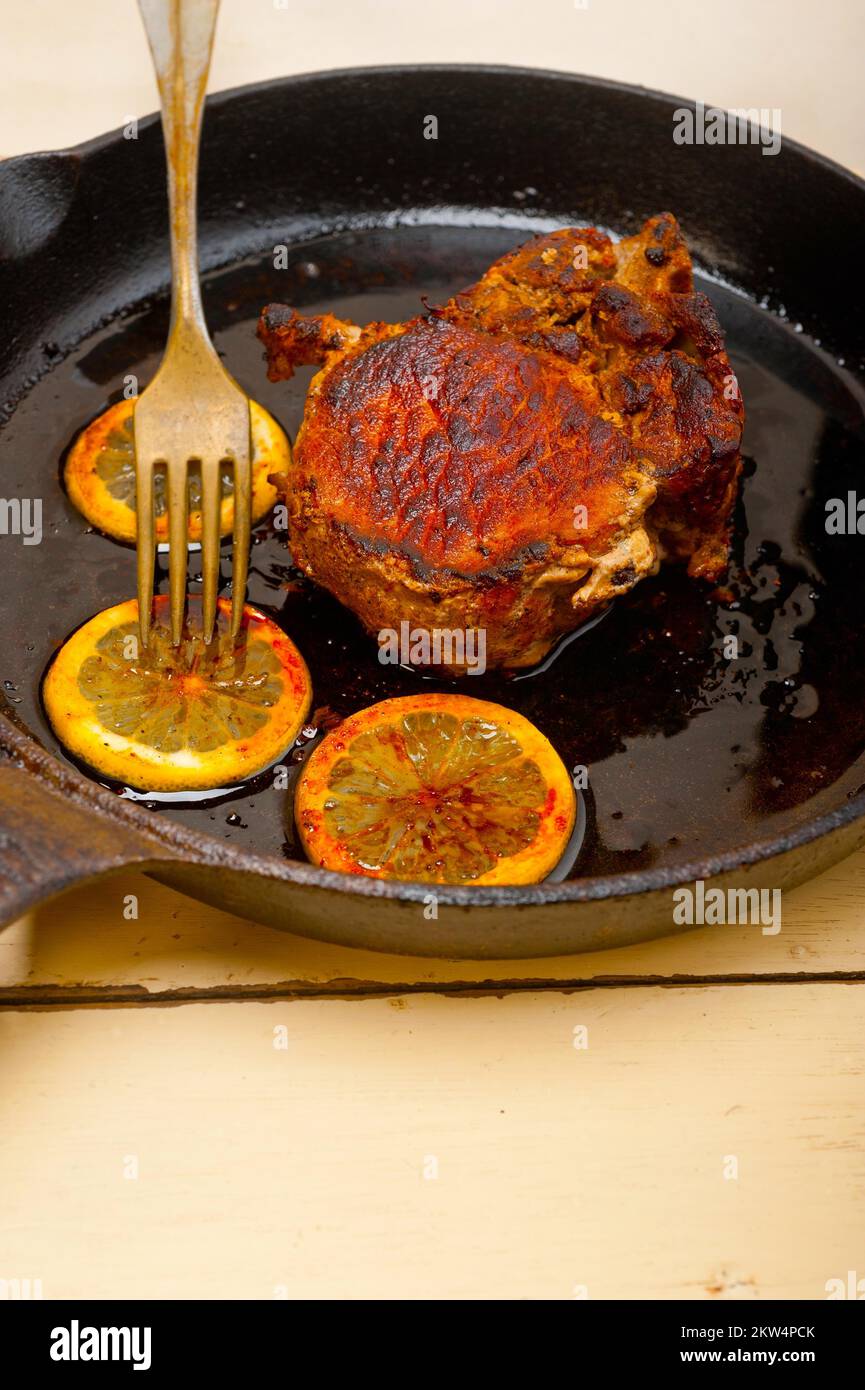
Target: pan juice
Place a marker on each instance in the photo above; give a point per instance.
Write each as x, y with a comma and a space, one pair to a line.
689, 754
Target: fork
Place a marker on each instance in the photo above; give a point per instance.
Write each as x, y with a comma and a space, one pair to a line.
192, 410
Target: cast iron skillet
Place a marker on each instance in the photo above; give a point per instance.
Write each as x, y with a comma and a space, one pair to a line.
748, 771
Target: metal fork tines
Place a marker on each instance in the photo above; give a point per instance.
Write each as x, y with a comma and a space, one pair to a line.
193, 410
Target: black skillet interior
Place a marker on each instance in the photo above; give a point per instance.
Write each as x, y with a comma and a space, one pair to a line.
690, 755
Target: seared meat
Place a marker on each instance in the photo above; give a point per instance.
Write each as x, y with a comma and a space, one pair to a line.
519, 456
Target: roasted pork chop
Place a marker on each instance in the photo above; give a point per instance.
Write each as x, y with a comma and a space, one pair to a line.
516, 458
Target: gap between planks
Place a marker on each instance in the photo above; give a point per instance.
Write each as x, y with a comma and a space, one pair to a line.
71, 997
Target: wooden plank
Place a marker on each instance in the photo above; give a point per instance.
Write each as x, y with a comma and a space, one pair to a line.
301, 1171
83, 941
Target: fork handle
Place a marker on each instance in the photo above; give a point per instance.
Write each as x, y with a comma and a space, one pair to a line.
180, 34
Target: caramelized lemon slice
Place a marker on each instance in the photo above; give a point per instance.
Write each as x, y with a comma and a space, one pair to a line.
436, 788
177, 718
99, 475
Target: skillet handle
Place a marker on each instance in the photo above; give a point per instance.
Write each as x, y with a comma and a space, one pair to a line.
50, 842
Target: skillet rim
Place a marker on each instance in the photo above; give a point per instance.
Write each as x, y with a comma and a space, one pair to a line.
195, 847
225, 94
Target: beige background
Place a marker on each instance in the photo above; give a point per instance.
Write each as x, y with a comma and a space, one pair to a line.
69, 70
429, 1129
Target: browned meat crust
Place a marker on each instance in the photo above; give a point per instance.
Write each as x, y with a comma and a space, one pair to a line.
526, 451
